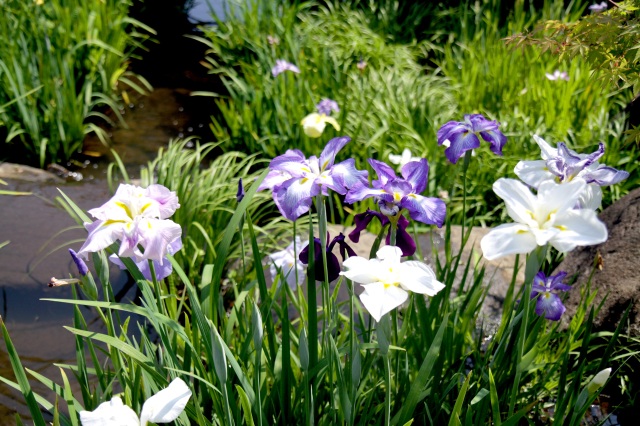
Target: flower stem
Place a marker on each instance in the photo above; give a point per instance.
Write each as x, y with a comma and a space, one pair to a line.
465, 167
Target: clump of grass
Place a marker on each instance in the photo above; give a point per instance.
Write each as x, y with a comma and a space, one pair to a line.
60, 71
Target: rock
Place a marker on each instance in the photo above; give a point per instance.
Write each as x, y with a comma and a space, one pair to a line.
26, 173
619, 276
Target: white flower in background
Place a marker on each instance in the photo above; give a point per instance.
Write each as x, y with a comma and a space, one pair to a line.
387, 281
562, 165
402, 159
557, 75
548, 217
163, 407
287, 260
598, 7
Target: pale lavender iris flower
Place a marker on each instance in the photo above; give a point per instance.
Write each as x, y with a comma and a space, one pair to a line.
162, 268
394, 193
557, 75
545, 289
598, 7
326, 106
295, 179
282, 66
138, 218
464, 136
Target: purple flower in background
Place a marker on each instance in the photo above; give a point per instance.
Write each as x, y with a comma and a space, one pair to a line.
282, 66
361, 64
403, 238
333, 265
463, 136
598, 7
82, 267
545, 288
326, 105
394, 193
295, 180
557, 75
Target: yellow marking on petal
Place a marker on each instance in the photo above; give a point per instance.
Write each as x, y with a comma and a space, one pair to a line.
305, 169
146, 206
111, 222
149, 224
397, 196
125, 208
521, 231
303, 181
561, 227
324, 165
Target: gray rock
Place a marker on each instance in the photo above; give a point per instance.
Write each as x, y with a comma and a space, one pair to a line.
26, 173
618, 277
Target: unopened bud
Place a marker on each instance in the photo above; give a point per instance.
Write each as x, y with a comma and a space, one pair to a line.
599, 380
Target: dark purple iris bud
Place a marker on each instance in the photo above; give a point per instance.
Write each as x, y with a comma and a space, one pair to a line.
333, 264
82, 267
403, 239
240, 193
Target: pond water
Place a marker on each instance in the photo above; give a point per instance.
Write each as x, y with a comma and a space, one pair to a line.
40, 232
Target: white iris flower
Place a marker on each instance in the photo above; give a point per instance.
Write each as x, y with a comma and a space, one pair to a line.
387, 281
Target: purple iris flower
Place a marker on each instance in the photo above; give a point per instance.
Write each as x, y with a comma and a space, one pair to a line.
82, 267
295, 180
326, 105
394, 193
333, 265
403, 238
568, 164
598, 7
463, 136
282, 66
545, 288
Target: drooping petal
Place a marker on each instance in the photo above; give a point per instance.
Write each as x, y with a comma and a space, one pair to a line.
605, 175
550, 306
166, 405
478, 123
496, 139
360, 192
517, 197
419, 278
452, 127
156, 235
578, 228
460, 143
110, 413
273, 179
591, 197
359, 270
293, 198
417, 174
429, 210
102, 233
346, 174
533, 173
361, 221
506, 239
379, 299
291, 156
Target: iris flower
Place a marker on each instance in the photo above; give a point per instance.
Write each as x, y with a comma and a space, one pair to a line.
138, 218
333, 265
403, 238
163, 407
545, 288
326, 106
463, 136
563, 165
282, 66
387, 282
315, 123
548, 217
394, 194
285, 260
598, 7
295, 180
162, 268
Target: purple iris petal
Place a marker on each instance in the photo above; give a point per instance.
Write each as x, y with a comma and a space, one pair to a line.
605, 175
416, 172
294, 197
359, 192
326, 105
384, 171
362, 220
240, 192
429, 210
548, 303
568, 164
328, 155
464, 136
346, 174
82, 267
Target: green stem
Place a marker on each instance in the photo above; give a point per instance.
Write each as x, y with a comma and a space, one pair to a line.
465, 167
387, 396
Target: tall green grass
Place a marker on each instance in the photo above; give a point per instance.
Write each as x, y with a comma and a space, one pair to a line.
63, 65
